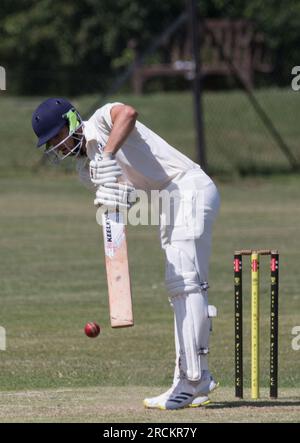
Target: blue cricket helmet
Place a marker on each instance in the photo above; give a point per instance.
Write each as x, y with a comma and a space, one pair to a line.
49, 118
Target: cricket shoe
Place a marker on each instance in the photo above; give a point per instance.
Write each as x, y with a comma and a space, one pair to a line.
203, 400
182, 394
157, 402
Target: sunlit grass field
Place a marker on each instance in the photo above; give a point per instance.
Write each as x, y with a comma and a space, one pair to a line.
53, 277
53, 282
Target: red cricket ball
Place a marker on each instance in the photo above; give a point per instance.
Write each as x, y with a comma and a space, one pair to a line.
92, 329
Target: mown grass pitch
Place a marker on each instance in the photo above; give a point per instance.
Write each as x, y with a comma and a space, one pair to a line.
123, 405
53, 282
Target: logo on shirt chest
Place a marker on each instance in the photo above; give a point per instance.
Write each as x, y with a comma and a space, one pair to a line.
100, 146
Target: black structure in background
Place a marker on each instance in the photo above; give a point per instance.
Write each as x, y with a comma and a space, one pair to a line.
197, 83
122, 79
190, 14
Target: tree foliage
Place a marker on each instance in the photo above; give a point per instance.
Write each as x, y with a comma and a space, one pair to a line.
74, 47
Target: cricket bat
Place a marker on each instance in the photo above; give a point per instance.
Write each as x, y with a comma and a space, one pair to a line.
117, 269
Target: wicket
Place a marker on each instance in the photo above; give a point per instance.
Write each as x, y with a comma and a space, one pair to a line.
255, 335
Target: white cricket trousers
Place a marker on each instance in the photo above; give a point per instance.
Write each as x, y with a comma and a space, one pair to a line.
186, 237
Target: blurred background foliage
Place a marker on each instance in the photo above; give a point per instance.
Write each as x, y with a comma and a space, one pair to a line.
74, 47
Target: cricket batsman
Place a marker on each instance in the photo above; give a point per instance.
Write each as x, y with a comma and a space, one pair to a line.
113, 143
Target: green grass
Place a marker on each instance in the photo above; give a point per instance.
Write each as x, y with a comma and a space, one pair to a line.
53, 277
102, 405
236, 139
53, 282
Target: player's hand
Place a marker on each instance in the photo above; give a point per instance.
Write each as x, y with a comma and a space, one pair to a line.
105, 170
115, 195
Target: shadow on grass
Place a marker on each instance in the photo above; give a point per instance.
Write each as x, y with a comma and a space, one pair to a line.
252, 404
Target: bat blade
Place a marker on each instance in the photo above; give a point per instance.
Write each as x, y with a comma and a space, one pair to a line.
117, 270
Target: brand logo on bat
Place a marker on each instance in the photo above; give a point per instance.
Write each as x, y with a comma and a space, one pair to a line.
108, 230
114, 233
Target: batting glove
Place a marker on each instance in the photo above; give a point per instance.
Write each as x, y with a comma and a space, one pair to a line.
115, 195
105, 170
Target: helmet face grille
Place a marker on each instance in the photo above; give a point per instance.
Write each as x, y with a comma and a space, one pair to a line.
74, 121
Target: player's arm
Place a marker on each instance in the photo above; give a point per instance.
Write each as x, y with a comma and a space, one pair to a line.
105, 172
123, 119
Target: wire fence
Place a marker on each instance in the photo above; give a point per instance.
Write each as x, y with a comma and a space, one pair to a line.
238, 140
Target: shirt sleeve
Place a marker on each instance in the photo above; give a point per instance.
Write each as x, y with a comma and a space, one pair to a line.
103, 117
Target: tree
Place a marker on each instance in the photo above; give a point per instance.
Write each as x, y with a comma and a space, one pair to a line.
72, 47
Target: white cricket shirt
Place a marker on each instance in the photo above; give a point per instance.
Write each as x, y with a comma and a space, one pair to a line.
146, 159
